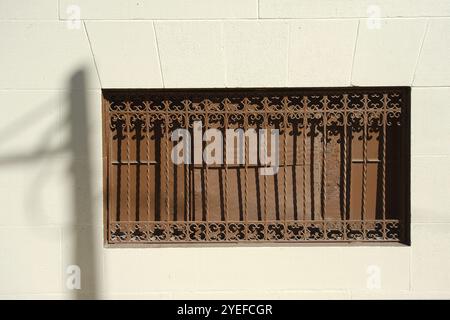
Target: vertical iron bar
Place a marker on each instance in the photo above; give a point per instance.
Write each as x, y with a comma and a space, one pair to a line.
167, 165
246, 171
285, 124
187, 171
206, 176
225, 156
138, 135
344, 145
364, 187
383, 174
128, 138
324, 164
266, 141
305, 125
147, 180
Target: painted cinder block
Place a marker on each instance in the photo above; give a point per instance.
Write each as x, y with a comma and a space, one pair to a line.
191, 53
256, 53
433, 67
151, 270
167, 9
430, 257
387, 52
321, 52
33, 10
429, 130
351, 8
44, 55
30, 260
129, 59
430, 187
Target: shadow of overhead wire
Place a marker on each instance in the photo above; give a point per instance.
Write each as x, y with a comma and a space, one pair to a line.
75, 149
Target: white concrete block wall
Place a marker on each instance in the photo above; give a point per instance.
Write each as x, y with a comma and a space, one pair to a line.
48, 65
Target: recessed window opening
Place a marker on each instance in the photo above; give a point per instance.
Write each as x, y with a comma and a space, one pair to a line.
256, 165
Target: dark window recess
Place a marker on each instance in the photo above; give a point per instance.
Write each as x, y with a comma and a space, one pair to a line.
343, 174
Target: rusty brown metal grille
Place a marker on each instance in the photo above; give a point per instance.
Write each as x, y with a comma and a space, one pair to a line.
343, 167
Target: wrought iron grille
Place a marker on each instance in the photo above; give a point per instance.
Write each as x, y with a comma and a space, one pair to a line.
343, 167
